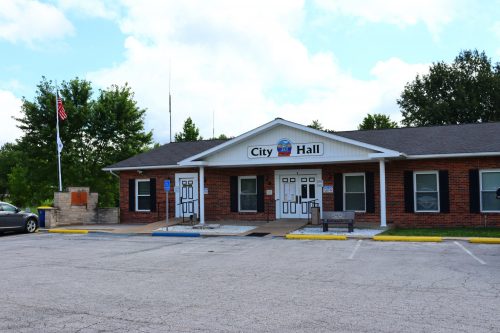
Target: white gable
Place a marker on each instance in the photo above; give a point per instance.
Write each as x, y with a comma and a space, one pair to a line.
306, 147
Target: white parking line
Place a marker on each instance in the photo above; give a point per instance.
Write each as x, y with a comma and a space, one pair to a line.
358, 244
469, 253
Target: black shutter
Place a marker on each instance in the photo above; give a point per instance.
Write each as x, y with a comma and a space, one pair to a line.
260, 193
131, 195
370, 192
233, 193
474, 191
408, 188
152, 194
444, 192
338, 192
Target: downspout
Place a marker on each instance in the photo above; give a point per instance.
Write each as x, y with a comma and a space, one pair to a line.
114, 174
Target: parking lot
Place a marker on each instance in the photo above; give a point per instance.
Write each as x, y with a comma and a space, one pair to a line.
98, 282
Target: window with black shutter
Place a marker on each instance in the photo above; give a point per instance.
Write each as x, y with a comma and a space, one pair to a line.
370, 192
152, 194
474, 191
444, 191
408, 191
131, 195
143, 195
233, 193
338, 192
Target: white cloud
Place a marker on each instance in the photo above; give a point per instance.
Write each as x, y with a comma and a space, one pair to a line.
108, 9
32, 21
11, 107
433, 13
246, 64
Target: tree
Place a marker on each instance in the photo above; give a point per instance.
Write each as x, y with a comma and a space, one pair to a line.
466, 91
189, 132
222, 137
377, 121
9, 158
318, 126
97, 133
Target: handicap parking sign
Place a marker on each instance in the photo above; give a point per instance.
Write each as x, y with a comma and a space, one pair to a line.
166, 185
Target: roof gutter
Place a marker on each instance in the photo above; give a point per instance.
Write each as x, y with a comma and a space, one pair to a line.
456, 155
144, 167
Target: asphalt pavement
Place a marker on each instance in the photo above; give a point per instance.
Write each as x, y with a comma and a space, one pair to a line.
122, 283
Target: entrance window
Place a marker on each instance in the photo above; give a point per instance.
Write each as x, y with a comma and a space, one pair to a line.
354, 192
426, 191
247, 193
142, 195
490, 182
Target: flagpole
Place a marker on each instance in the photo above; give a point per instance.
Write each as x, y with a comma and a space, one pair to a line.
57, 144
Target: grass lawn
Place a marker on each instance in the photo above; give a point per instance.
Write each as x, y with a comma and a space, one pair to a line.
445, 232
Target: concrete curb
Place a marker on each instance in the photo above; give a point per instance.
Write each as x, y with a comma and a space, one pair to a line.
407, 239
316, 237
68, 231
484, 240
176, 234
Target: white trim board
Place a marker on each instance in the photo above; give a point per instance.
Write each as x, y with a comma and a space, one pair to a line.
277, 122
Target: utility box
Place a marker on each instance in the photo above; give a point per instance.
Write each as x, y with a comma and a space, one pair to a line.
315, 215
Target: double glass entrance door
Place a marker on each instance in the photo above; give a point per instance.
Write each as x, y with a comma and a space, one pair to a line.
298, 195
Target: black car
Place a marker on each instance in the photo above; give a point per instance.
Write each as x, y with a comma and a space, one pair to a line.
14, 219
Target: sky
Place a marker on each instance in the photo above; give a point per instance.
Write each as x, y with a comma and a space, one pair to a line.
235, 65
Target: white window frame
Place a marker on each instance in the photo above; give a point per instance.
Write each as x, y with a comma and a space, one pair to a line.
481, 189
137, 181
433, 172
344, 187
239, 193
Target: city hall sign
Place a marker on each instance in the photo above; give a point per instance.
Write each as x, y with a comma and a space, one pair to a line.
286, 148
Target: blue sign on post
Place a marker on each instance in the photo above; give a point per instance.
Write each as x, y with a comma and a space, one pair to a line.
166, 185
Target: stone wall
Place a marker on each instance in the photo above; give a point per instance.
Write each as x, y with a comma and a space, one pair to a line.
78, 206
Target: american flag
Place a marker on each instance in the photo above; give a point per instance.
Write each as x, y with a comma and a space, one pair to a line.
60, 109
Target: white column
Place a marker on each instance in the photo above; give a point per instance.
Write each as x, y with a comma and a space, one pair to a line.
202, 195
383, 216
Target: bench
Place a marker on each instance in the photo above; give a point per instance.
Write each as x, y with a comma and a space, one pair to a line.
338, 218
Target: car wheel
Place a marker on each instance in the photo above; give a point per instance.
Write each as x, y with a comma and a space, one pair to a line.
31, 226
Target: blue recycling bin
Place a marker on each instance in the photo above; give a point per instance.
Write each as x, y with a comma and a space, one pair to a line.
41, 216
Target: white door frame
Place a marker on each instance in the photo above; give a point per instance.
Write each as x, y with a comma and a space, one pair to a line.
296, 172
178, 176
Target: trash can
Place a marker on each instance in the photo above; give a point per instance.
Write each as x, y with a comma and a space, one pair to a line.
41, 215
315, 215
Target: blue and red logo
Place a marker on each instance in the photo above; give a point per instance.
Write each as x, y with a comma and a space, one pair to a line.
284, 147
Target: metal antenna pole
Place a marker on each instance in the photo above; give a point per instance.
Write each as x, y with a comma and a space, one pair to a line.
213, 124
170, 98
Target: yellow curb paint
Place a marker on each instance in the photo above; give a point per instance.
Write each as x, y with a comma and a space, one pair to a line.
316, 237
485, 240
407, 239
68, 231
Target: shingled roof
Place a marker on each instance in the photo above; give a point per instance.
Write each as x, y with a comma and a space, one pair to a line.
411, 141
167, 155
432, 140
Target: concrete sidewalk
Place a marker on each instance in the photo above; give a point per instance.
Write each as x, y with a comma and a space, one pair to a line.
273, 228
279, 228
138, 228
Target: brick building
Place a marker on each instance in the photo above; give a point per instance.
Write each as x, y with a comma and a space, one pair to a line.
424, 176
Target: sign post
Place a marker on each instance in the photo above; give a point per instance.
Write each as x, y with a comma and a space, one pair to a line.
166, 187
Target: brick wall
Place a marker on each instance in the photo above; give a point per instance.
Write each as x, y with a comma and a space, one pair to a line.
217, 201
458, 170
127, 216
